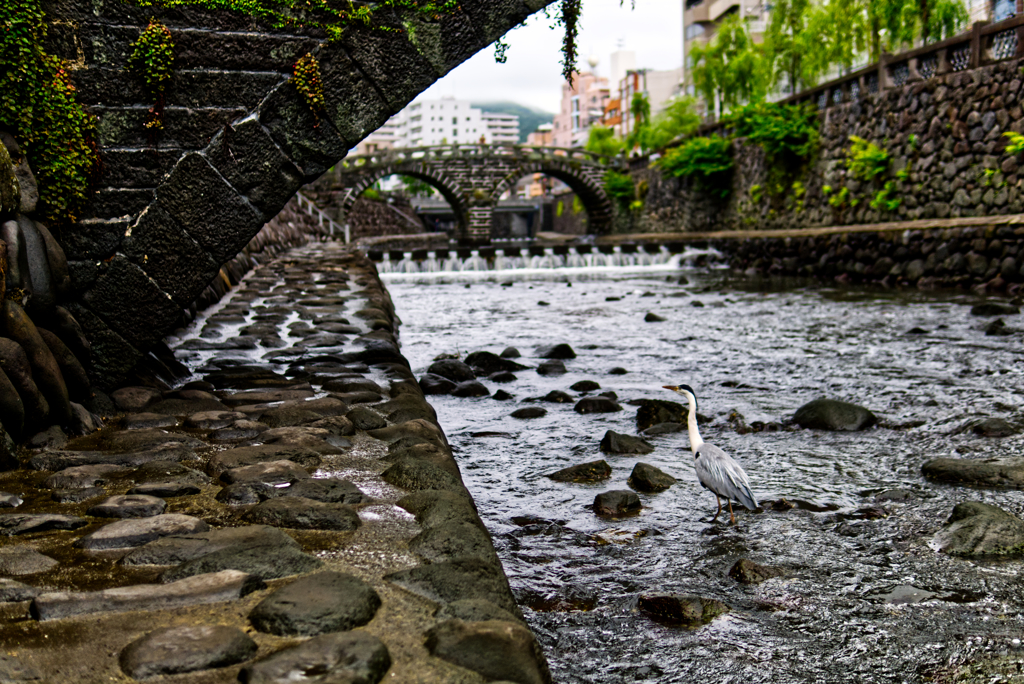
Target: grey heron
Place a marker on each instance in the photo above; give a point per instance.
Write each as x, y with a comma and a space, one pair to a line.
716, 470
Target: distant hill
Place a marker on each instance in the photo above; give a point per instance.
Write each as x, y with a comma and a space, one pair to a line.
529, 118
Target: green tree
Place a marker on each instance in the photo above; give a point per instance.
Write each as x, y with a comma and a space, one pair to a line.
730, 69
602, 140
678, 118
414, 187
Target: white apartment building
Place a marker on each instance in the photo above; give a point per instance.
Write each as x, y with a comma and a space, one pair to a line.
448, 122
502, 129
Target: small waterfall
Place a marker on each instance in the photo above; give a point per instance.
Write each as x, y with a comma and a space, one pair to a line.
475, 262
407, 265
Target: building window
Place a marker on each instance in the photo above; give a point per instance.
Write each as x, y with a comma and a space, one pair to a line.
694, 30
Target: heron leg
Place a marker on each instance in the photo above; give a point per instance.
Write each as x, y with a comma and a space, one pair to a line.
719, 508
732, 516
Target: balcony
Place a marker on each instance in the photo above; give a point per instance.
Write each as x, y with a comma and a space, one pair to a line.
696, 15
720, 7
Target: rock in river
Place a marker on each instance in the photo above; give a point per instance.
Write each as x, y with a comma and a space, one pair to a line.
471, 388
647, 478
553, 367
829, 414
529, 412
656, 411
682, 609
453, 370
990, 472
617, 502
980, 530
432, 383
615, 443
556, 351
748, 572
994, 427
594, 471
488, 362
186, 648
497, 650
128, 506
596, 405
994, 309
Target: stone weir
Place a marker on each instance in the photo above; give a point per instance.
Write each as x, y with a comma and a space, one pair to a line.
293, 513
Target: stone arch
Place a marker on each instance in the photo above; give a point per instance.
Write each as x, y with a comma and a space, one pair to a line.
137, 274
586, 182
426, 172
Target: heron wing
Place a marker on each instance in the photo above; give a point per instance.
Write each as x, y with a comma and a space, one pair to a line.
717, 471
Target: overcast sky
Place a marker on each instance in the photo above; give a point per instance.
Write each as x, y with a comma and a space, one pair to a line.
532, 74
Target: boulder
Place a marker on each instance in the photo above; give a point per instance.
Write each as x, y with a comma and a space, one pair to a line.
651, 412
558, 397
12, 408
15, 364
355, 657
994, 309
271, 473
681, 609
128, 506
458, 579
615, 443
125, 534
45, 370
747, 571
486, 363
431, 384
298, 512
617, 502
315, 604
502, 377
364, 418
12, 591
452, 540
647, 478
597, 404
553, 367
180, 548
556, 351
495, 649
24, 560
510, 353
980, 530
994, 427
585, 386
653, 318
75, 377
594, 471
452, 369
998, 471
134, 398
471, 388
529, 412
829, 414
13, 524
186, 648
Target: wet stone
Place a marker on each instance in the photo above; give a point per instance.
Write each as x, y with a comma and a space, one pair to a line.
557, 351
238, 431
245, 494
8, 500
50, 438
474, 610
212, 420
682, 609
502, 395
76, 495
454, 580
647, 478
553, 367
366, 419
618, 370
471, 388
263, 561
452, 540
597, 404
452, 369
989, 472
13, 524
134, 398
165, 490
414, 474
297, 512
12, 591
433, 384
187, 648
24, 560
510, 353
357, 657
617, 502
748, 572
980, 530
226, 586
616, 443
254, 455
496, 650
164, 471
129, 506
502, 377
325, 490
829, 414
177, 549
558, 397
994, 427
529, 412
142, 421
651, 412
13, 670
125, 534
319, 603
59, 460
994, 309
272, 473
663, 429
352, 385
594, 471
585, 386
653, 318
82, 476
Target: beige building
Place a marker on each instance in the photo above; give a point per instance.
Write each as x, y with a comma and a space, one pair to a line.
582, 106
544, 136
660, 86
701, 18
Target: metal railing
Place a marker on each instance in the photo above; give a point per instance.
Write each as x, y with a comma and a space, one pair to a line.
327, 225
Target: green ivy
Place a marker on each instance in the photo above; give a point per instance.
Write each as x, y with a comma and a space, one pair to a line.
620, 187
788, 134
866, 160
152, 61
1016, 144
707, 161
38, 105
306, 77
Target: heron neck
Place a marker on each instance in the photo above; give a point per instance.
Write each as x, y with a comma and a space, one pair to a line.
691, 424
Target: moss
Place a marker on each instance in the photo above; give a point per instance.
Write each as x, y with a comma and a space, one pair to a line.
39, 107
306, 77
152, 61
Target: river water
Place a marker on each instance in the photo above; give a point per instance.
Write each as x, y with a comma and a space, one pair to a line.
866, 599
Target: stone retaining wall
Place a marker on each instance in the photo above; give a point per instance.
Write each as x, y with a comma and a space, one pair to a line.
947, 130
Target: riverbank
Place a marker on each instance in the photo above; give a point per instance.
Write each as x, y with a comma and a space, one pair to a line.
298, 485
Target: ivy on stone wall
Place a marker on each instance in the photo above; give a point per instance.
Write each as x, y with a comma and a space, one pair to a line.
306, 77
38, 106
707, 161
152, 61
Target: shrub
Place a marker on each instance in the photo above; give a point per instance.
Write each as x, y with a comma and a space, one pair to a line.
706, 161
866, 160
619, 187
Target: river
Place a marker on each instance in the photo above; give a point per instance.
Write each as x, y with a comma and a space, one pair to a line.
866, 598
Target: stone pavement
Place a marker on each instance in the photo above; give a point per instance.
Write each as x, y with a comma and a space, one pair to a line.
292, 514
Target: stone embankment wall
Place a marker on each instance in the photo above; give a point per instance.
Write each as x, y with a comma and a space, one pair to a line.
985, 258
947, 130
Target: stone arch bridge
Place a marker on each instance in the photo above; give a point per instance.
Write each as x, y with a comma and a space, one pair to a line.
472, 178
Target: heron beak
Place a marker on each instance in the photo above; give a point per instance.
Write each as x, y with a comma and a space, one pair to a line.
670, 387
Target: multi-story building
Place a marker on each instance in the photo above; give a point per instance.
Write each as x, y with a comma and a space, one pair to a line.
542, 137
659, 86
502, 129
583, 105
384, 138
701, 19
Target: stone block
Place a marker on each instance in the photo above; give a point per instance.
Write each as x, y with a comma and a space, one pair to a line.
497, 650
94, 239
186, 648
135, 169
188, 128
208, 208
161, 248
313, 145
494, 18
242, 51
353, 104
323, 602
251, 161
445, 41
131, 304
347, 657
112, 356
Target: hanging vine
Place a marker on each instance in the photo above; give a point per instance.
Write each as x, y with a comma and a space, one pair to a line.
152, 61
570, 20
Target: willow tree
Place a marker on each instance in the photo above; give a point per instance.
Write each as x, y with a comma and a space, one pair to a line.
730, 69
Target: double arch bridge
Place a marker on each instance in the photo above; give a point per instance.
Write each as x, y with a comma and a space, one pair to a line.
473, 177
